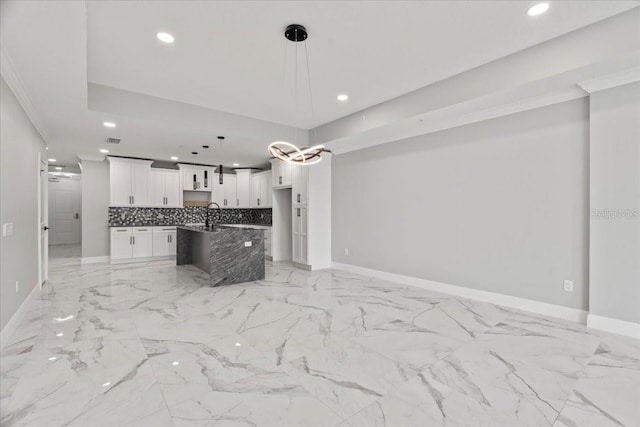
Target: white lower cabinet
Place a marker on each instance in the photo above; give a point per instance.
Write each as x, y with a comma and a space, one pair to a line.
131, 244
300, 239
164, 241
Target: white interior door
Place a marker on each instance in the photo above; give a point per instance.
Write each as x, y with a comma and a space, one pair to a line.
43, 211
64, 212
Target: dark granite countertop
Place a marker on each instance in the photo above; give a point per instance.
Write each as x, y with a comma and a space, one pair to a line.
216, 228
183, 225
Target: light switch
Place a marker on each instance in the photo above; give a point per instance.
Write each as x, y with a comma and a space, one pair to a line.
247, 244
7, 229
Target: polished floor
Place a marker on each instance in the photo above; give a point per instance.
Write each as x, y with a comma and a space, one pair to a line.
151, 345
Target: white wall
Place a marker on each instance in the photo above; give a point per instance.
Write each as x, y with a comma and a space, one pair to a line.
500, 206
19, 147
615, 203
95, 209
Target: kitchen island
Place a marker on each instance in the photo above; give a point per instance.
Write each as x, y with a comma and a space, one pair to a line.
229, 254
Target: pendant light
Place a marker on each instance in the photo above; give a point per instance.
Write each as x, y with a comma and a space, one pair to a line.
286, 151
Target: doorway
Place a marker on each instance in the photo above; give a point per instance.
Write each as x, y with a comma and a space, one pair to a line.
43, 218
64, 210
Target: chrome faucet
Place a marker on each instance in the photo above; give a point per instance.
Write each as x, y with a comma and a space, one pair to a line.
206, 221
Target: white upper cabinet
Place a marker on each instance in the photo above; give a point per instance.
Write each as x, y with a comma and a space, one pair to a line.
165, 188
300, 184
281, 174
261, 190
129, 181
243, 188
197, 178
225, 194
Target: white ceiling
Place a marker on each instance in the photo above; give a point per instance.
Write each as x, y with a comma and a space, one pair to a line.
84, 63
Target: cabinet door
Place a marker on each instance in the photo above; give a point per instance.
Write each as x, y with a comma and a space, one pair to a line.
120, 181
276, 173
140, 184
160, 244
157, 189
265, 190
172, 189
121, 246
300, 234
172, 243
299, 184
243, 189
286, 173
189, 179
230, 192
207, 179
142, 245
255, 191
217, 192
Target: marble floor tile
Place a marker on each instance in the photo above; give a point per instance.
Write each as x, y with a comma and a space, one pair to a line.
152, 344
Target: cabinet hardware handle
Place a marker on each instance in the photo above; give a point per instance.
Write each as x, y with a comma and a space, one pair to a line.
298, 211
131, 240
298, 197
258, 202
280, 180
237, 202
133, 198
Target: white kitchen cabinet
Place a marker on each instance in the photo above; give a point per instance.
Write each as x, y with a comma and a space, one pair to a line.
225, 194
243, 188
129, 244
261, 190
230, 192
121, 241
300, 234
129, 181
281, 174
164, 241
142, 242
197, 178
299, 184
165, 188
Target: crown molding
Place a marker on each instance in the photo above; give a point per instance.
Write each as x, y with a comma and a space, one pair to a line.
14, 82
609, 81
90, 157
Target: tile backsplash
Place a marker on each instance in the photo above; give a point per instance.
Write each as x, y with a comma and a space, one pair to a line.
128, 217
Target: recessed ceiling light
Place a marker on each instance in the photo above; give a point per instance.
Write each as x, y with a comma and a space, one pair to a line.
343, 97
58, 168
538, 9
52, 160
176, 363
236, 164
46, 148
107, 384
165, 37
109, 124
104, 150
174, 158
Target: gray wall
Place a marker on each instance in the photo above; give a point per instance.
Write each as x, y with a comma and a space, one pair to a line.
500, 206
95, 208
615, 203
19, 147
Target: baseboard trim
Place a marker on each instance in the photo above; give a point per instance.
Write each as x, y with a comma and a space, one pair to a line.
538, 307
615, 326
147, 259
9, 329
94, 259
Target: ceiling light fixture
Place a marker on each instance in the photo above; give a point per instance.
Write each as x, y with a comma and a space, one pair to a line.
174, 158
165, 37
286, 151
236, 164
343, 97
58, 168
52, 160
109, 124
538, 9
104, 150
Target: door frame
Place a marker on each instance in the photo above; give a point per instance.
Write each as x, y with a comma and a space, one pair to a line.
42, 220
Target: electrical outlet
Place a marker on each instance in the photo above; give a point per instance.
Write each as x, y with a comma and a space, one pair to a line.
7, 229
568, 285
248, 244
346, 252
17, 286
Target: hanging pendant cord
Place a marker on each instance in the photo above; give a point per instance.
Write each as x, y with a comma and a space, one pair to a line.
313, 121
